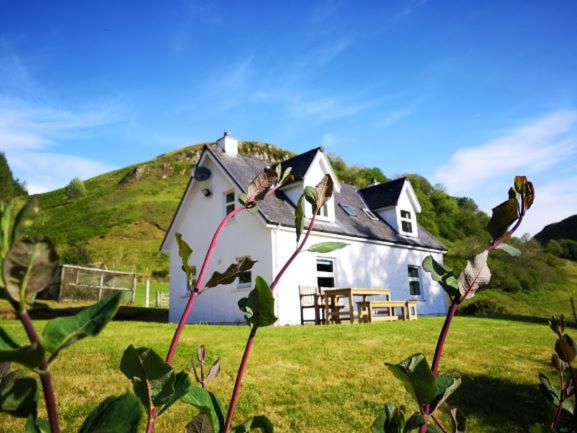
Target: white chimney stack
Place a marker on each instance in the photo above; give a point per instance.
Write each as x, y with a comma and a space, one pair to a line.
228, 144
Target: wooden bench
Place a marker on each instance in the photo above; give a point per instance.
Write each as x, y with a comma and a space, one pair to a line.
385, 310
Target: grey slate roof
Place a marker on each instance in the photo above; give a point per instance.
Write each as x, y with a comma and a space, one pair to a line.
300, 163
383, 194
278, 209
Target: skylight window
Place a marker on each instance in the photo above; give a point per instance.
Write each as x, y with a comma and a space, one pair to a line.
351, 211
370, 214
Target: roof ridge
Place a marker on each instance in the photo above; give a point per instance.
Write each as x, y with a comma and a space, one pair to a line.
385, 183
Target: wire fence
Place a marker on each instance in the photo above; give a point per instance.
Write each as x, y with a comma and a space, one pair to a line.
81, 283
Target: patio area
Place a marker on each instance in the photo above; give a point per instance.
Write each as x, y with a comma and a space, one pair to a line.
363, 305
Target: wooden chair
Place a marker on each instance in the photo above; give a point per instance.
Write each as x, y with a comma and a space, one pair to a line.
311, 298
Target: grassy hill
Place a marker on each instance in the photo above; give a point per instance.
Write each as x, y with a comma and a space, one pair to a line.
121, 221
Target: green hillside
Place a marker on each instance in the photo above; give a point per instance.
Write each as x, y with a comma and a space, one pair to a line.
122, 218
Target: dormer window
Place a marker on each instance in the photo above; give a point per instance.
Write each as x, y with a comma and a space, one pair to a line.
406, 222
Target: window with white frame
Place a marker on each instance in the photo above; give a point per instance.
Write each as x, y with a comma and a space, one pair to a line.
406, 222
415, 281
229, 202
325, 272
244, 279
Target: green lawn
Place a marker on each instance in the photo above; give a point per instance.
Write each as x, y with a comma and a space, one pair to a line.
323, 379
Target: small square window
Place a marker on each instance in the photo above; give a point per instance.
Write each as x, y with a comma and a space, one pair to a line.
244, 279
405, 214
229, 202
407, 226
414, 280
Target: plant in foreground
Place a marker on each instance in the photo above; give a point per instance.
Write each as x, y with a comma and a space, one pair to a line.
429, 388
28, 265
561, 398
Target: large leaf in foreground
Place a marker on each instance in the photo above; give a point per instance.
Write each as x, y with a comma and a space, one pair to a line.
64, 331
152, 378
258, 307
258, 422
503, 216
327, 247
30, 356
442, 274
417, 378
209, 405
231, 273
200, 424
300, 217
120, 414
30, 263
185, 252
260, 185
475, 275
18, 395
447, 384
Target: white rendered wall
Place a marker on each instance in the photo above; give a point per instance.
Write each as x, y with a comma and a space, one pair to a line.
245, 235
361, 264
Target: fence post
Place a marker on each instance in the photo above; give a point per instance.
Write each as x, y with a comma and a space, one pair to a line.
157, 299
573, 309
101, 286
134, 288
147, 295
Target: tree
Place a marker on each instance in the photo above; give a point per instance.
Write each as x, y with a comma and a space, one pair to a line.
9, 187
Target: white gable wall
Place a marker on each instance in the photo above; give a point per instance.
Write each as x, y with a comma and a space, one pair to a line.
197, 220
361, 264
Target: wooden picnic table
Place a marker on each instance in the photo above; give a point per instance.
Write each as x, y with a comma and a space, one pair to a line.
332, 295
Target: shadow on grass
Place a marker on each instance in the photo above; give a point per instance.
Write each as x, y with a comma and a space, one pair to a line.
521, 318
43, 311
499, 401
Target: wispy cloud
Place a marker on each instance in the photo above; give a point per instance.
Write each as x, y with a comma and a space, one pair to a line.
29, 133
530, 148
411, 7
392, 117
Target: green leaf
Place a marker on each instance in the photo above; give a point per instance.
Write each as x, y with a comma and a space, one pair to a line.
509, 249
442, 274
30, 266
30, 356
25, 218
391, 421
519, 184
18, 395
327, 247
261, 184
538, 428
35, 425
503, 216
414, 422
299, 217
182, 384
121, 414
417, 378
185, 252
208, 404
259, 306
475, 275
231, 273
258, 422
324, 191
6, 225
458, 421
310, 195
152, 378
200, 424
446, 384
566, 348
61, 332
553, 394
286, 176
6, 341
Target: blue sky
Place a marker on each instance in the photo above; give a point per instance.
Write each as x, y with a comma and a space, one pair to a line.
466, 93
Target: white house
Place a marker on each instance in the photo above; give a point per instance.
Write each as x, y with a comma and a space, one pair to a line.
380, 223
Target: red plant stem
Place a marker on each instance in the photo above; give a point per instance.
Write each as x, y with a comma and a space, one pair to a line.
251, 336
438, 422
198, 287
45, 377
455, 307
555, 421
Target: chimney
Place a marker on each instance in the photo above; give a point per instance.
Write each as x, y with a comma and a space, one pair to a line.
228, 144
373, 182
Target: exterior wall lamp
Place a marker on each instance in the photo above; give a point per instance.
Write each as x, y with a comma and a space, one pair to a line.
206, 192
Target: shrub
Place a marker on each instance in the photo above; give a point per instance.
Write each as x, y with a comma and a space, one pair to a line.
483, 307
75, 189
